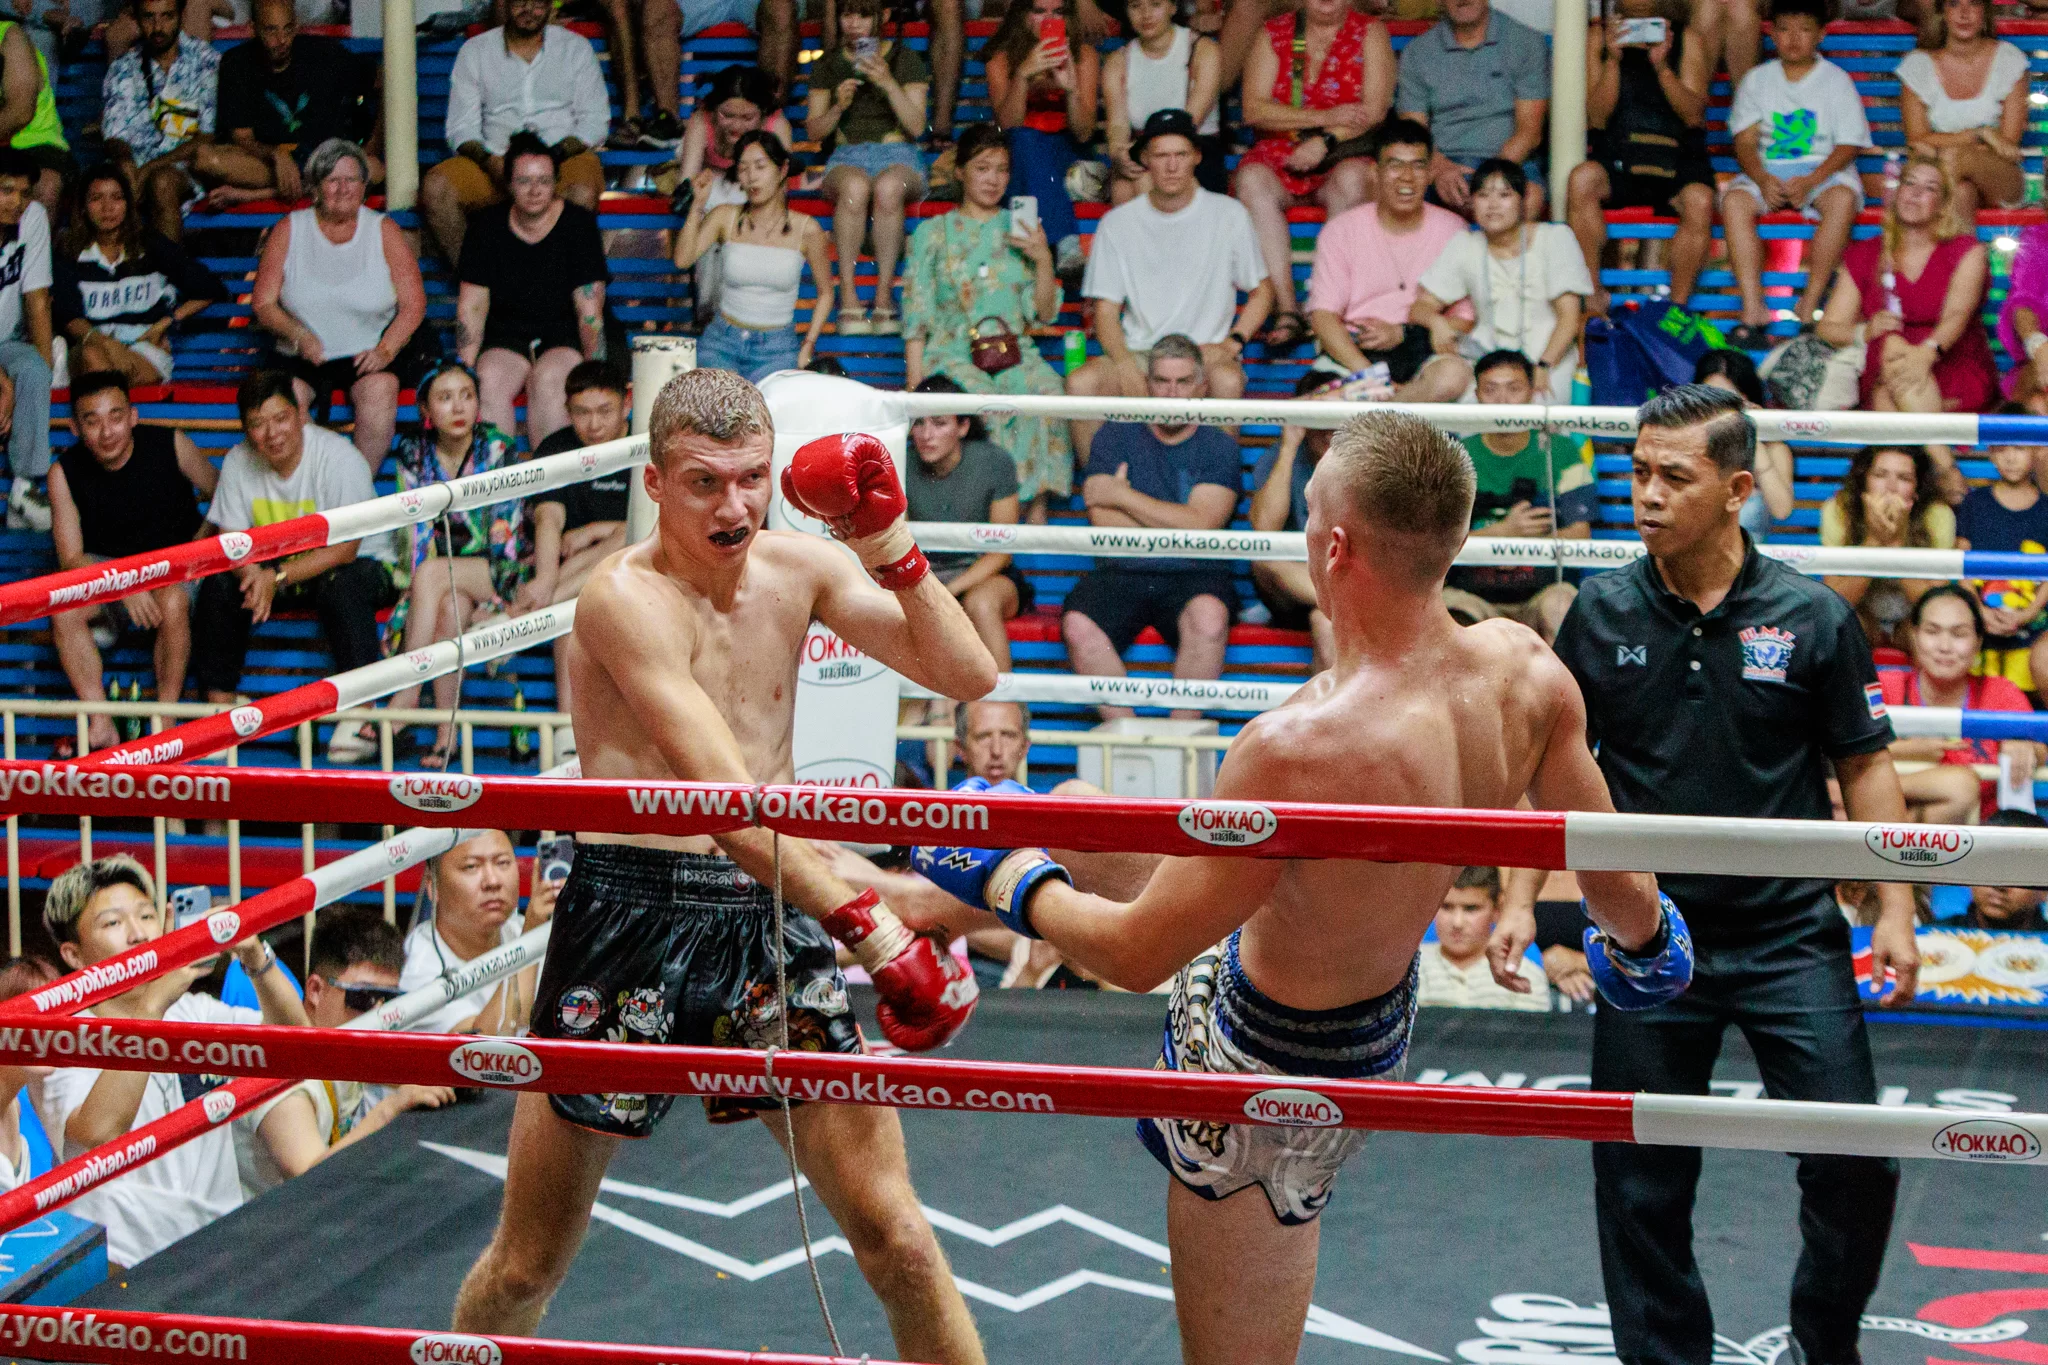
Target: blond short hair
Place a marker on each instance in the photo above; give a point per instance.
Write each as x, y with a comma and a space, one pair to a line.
713, 403
72, 892
1408, 480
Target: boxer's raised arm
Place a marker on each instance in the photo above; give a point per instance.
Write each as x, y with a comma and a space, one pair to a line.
1623, 904
635, 626
922, 632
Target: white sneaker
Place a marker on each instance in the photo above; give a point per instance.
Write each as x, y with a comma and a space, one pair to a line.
28, 509
355, 743
565, 744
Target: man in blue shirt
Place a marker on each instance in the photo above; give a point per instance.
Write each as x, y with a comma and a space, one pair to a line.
1186, 478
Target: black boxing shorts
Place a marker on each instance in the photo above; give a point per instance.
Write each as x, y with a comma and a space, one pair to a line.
655, 946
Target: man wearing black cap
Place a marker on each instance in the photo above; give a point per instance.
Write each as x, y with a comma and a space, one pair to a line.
1721, 682
1170, 262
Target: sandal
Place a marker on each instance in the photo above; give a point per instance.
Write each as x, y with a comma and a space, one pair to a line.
1750, 336
886, 323
855, 324
1285, 332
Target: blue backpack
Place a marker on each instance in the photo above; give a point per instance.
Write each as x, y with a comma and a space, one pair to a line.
1642, 346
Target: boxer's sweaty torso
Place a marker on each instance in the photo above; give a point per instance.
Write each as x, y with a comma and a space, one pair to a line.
1461, 726
744, 654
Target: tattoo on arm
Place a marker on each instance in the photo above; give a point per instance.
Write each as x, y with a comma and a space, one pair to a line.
590, 319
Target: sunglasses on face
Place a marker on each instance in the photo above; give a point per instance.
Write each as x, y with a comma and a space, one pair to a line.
363, 999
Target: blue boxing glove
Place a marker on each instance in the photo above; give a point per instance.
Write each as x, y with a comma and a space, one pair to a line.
1000, 880
1655, 974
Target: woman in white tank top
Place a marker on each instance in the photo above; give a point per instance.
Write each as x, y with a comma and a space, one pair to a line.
1168, 67
761, 247
339, 288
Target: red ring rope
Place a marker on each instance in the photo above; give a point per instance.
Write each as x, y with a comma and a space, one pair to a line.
1120, 824
563, 1066
85, 1334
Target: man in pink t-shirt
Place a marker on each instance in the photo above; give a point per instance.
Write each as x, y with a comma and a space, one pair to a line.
1368, 261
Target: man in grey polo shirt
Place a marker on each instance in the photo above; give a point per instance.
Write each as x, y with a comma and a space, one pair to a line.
1480, 81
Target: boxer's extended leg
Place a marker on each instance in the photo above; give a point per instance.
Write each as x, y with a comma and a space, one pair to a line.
854, 1158
1242, 1280
554, 1171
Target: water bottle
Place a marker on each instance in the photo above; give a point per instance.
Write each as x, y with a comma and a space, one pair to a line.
1076, 343
1892, 162
134, 726
522, 736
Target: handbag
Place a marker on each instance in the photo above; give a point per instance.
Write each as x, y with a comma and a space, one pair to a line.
994, 352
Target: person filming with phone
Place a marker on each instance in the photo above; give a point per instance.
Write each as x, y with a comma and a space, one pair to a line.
867, 106
979, 279
1044, 91
1646, 104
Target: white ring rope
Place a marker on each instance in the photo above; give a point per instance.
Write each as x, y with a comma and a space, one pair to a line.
1126, 542
1249, 698
1844, 428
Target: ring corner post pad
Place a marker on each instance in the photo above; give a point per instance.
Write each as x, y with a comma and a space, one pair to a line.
845, 700
657, 358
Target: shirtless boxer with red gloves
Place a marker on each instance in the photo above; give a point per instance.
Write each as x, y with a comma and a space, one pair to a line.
684, 660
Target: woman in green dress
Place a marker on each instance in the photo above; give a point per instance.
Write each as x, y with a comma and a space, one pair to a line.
972, 265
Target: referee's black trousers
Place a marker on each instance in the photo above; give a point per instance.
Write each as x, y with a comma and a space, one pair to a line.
1796, 1004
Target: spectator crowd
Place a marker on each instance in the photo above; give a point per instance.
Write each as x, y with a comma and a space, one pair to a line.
1145, 170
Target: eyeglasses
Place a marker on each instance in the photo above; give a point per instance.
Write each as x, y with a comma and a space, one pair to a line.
363, 999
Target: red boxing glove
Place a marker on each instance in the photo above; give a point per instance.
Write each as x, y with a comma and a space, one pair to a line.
849, 483
926, 993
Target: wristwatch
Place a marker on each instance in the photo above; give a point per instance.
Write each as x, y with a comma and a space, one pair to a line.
269, 960
1241, 342
282, 571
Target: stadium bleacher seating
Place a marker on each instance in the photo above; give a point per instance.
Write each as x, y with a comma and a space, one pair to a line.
222, 345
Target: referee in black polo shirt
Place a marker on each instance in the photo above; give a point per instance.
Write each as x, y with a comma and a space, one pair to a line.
1720, 682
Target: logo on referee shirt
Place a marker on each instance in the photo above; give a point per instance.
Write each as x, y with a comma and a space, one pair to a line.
1766, 652
1624, 655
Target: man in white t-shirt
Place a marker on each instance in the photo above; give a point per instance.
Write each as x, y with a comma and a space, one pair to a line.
284, 468
1170, 263
1798, 124
25, 339
357, 958
1453, 969
94, 911
475, 889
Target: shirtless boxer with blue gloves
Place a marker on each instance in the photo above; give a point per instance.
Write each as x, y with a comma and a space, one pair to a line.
1307, 967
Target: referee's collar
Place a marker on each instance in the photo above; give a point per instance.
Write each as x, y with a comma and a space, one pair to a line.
1683, 607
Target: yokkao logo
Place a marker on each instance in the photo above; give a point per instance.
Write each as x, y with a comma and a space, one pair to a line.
247, 720
446, 1348
218, 1104
236, 544
1919, 845
430, 792
224, 925
421, 661
495, 1061
993, 535
1986, 1140
1228, 824
1294, 1109
1805, 426
825, 660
